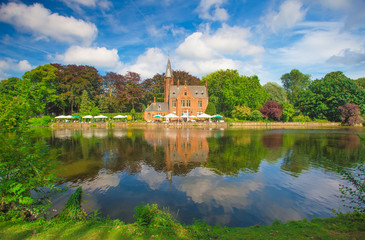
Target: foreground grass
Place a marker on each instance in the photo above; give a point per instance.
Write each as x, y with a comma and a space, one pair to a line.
347, 226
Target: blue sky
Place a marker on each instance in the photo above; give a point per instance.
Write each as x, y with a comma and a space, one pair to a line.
264, 38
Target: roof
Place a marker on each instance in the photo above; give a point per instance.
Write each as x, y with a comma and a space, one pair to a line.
168, 73
197, 91
158, 106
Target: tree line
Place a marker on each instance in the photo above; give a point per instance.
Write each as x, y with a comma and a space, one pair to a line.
55, 89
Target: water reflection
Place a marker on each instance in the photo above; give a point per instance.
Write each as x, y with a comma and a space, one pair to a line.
228, 177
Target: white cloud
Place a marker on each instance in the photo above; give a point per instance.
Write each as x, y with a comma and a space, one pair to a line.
316, 47
148, 64
94, 56
204, 52
43, 24
211, 10
151, 177
103, 4
290, 13
13, 65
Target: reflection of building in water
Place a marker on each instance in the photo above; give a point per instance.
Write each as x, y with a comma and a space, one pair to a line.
183, 147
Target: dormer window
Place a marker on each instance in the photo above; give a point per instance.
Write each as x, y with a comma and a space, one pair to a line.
196, 93
159, 107
185, 93
173, 93
202, 93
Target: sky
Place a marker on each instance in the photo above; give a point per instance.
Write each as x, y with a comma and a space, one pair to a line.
266, 38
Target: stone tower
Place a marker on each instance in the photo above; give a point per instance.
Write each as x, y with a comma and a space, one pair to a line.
169, 80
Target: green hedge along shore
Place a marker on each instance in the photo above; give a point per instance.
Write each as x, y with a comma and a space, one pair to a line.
344, 226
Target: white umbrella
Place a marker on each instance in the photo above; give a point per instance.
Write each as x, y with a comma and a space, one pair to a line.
60, 117
192, 116
87, 116
171, 115
100, 116
68, 116
204, 115
120, 116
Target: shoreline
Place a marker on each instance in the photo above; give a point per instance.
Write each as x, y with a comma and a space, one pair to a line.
225, 125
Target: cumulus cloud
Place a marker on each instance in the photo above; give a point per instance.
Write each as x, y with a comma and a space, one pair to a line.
151, 177
212, 10
13, 65
348, 57
204, 52
290, 13
94, 56
39, 21
148, 64
317, 46
209, 188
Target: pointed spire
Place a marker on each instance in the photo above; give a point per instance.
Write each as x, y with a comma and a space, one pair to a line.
168, 73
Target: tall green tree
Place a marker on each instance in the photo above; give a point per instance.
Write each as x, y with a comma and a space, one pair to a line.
276, 92
294, 83
86, 104
230, 90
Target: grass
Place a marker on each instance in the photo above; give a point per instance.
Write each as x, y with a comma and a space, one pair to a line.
344, 226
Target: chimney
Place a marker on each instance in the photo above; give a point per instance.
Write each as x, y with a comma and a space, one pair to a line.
154, 99
178, 82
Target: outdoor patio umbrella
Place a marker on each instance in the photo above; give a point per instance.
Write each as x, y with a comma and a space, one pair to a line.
68, 116
100, 116
204, 115
87, 116
120, 116
171, 115
60, 117
157, 116
217, 117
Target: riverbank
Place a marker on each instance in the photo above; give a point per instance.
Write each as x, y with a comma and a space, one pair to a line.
347, 226
241, 125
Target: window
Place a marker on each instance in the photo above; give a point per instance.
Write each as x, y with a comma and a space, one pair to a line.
200, 103
182, 103
149, 115
173, 103
202, 93
185, 93
188, 103
159, 107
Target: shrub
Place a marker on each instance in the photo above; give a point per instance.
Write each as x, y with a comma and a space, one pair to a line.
241, 112
211, 110
40, 122
150, 216
301, 118
350, 114
255, 115
271, 110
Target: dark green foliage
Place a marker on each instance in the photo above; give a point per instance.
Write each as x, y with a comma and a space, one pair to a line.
86, 104
211, 110
255, 115
73, 210
27, 174
288, 111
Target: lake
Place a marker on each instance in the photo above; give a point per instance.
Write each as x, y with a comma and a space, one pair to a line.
227, 177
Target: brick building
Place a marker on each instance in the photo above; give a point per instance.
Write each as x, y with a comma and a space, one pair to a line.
183, 100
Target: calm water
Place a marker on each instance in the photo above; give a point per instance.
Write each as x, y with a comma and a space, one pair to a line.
226, 177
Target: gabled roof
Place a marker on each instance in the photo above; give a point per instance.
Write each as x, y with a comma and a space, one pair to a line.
158, 106
196, 91
168, 73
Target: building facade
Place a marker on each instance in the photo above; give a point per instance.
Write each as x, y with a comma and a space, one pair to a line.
182, 100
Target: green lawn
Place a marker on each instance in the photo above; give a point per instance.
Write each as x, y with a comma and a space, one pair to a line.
348, 226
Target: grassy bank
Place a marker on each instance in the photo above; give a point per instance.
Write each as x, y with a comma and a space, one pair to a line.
347, 226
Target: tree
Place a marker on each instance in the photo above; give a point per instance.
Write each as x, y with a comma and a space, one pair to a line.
73, 80
276, 92
335, 90
255, 115
86, 104
350, 114
271, 110
295, 82
129, 89
288, 111
230, 89
211, 110
241, 112
182, 77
